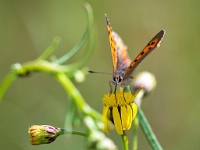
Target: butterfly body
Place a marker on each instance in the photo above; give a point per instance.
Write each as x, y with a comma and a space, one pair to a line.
123, 67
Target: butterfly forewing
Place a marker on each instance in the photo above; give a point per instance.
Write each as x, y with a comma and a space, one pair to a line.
112, 44
148, 48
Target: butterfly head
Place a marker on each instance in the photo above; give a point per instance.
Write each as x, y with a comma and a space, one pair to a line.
118, 76
118, 79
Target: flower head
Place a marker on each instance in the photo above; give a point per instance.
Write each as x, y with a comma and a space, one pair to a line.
119, 108
43, 134
145, 79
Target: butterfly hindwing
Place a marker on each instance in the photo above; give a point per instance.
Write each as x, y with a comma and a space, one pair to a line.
155, 42
123, 60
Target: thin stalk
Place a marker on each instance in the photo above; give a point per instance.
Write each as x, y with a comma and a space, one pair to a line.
64, 131
6, 83
76, 96
135, 134
53, 69
125, 141
85, 57
80, 44
148, 131
50, 49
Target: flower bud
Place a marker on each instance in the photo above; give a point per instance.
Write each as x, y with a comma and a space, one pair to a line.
43, 134
79, 76
146, 80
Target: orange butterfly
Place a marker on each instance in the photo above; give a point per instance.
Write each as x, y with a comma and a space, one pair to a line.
123, 67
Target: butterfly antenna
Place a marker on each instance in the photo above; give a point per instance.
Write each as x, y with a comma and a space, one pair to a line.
100, 72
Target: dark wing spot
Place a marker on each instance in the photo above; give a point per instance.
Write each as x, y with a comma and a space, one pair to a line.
141, 53
149, 44
150, 48
152, 43
135, 60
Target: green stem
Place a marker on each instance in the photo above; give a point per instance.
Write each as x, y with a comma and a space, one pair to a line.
64, 131
6, 83
44, 66
76, 96
148, 131
125, 141
86, 55
69, 114
79, 133
40, 66
135, 134
56, 70
85, 37
50, 49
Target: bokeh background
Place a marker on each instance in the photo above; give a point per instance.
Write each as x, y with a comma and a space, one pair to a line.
27, 29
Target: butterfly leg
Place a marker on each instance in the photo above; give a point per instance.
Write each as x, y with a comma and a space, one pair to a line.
111, 83
115, 84
111, 86
123, 93
115, 88
131, 89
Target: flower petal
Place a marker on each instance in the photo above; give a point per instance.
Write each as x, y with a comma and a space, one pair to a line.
134, 109
105, 119
124, 117
130, 119
117, 120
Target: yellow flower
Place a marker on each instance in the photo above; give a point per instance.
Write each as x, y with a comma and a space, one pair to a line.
119, 108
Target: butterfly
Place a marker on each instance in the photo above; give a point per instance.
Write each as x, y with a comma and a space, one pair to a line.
123, 67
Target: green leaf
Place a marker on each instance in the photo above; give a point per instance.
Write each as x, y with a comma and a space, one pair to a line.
6, 83
84, 39
50, 49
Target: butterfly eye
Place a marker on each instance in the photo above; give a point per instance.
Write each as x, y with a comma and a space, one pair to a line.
120, 79
115, 79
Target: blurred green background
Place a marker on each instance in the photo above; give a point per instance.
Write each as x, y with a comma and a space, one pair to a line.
27, 29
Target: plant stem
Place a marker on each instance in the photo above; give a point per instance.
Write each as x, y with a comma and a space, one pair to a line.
76, 96
64, 131
84, 39
6, 83
50, 49
125, 141
56, 70
148, 131
135, 134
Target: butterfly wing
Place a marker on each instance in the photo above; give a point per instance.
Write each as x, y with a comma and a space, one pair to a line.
112, 45
123, 60
155, 42
119, 53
